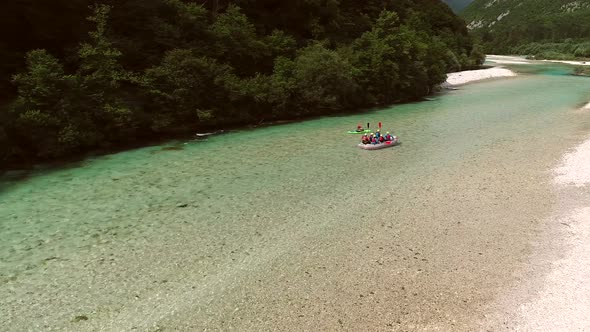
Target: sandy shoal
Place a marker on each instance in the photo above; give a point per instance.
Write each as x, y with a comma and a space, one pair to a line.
464, 77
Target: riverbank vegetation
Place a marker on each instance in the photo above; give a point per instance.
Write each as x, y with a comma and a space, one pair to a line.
568, 49
136, 70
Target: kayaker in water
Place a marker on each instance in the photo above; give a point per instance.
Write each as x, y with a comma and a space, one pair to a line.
359, 128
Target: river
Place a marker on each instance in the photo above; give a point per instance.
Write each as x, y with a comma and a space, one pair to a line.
291, 227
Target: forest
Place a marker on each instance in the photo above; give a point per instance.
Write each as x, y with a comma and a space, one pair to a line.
78, 76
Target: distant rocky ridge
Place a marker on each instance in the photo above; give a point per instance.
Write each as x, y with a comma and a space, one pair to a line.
507, 26
485, 14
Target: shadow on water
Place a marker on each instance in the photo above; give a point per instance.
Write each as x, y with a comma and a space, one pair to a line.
12, 178
177, 147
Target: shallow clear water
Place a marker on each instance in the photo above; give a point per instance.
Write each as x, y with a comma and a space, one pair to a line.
277, 192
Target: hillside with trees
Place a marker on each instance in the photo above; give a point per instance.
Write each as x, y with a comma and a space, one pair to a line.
78, 76
558, 29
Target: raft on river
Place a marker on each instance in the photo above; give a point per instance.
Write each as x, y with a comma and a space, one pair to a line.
378, 146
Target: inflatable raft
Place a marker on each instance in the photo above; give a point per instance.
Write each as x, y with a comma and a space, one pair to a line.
386, 144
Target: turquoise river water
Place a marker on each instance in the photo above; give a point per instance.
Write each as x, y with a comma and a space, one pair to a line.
291, 227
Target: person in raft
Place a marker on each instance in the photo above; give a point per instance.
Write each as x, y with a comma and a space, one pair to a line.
378, 133
372, 139
365, 139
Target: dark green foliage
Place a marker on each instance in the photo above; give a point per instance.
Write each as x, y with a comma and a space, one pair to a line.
186, 90
324, 80
46, 120
56, 25
567, 50
58, 113
140, 69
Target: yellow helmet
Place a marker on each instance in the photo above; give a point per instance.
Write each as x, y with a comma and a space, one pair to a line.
387, 133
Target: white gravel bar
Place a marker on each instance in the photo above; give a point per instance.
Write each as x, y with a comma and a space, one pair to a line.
464, 77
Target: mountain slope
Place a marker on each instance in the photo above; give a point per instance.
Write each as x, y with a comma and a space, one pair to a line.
457, 5
509, 25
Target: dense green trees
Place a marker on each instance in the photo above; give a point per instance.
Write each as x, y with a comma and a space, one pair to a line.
161, 67
568, 49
